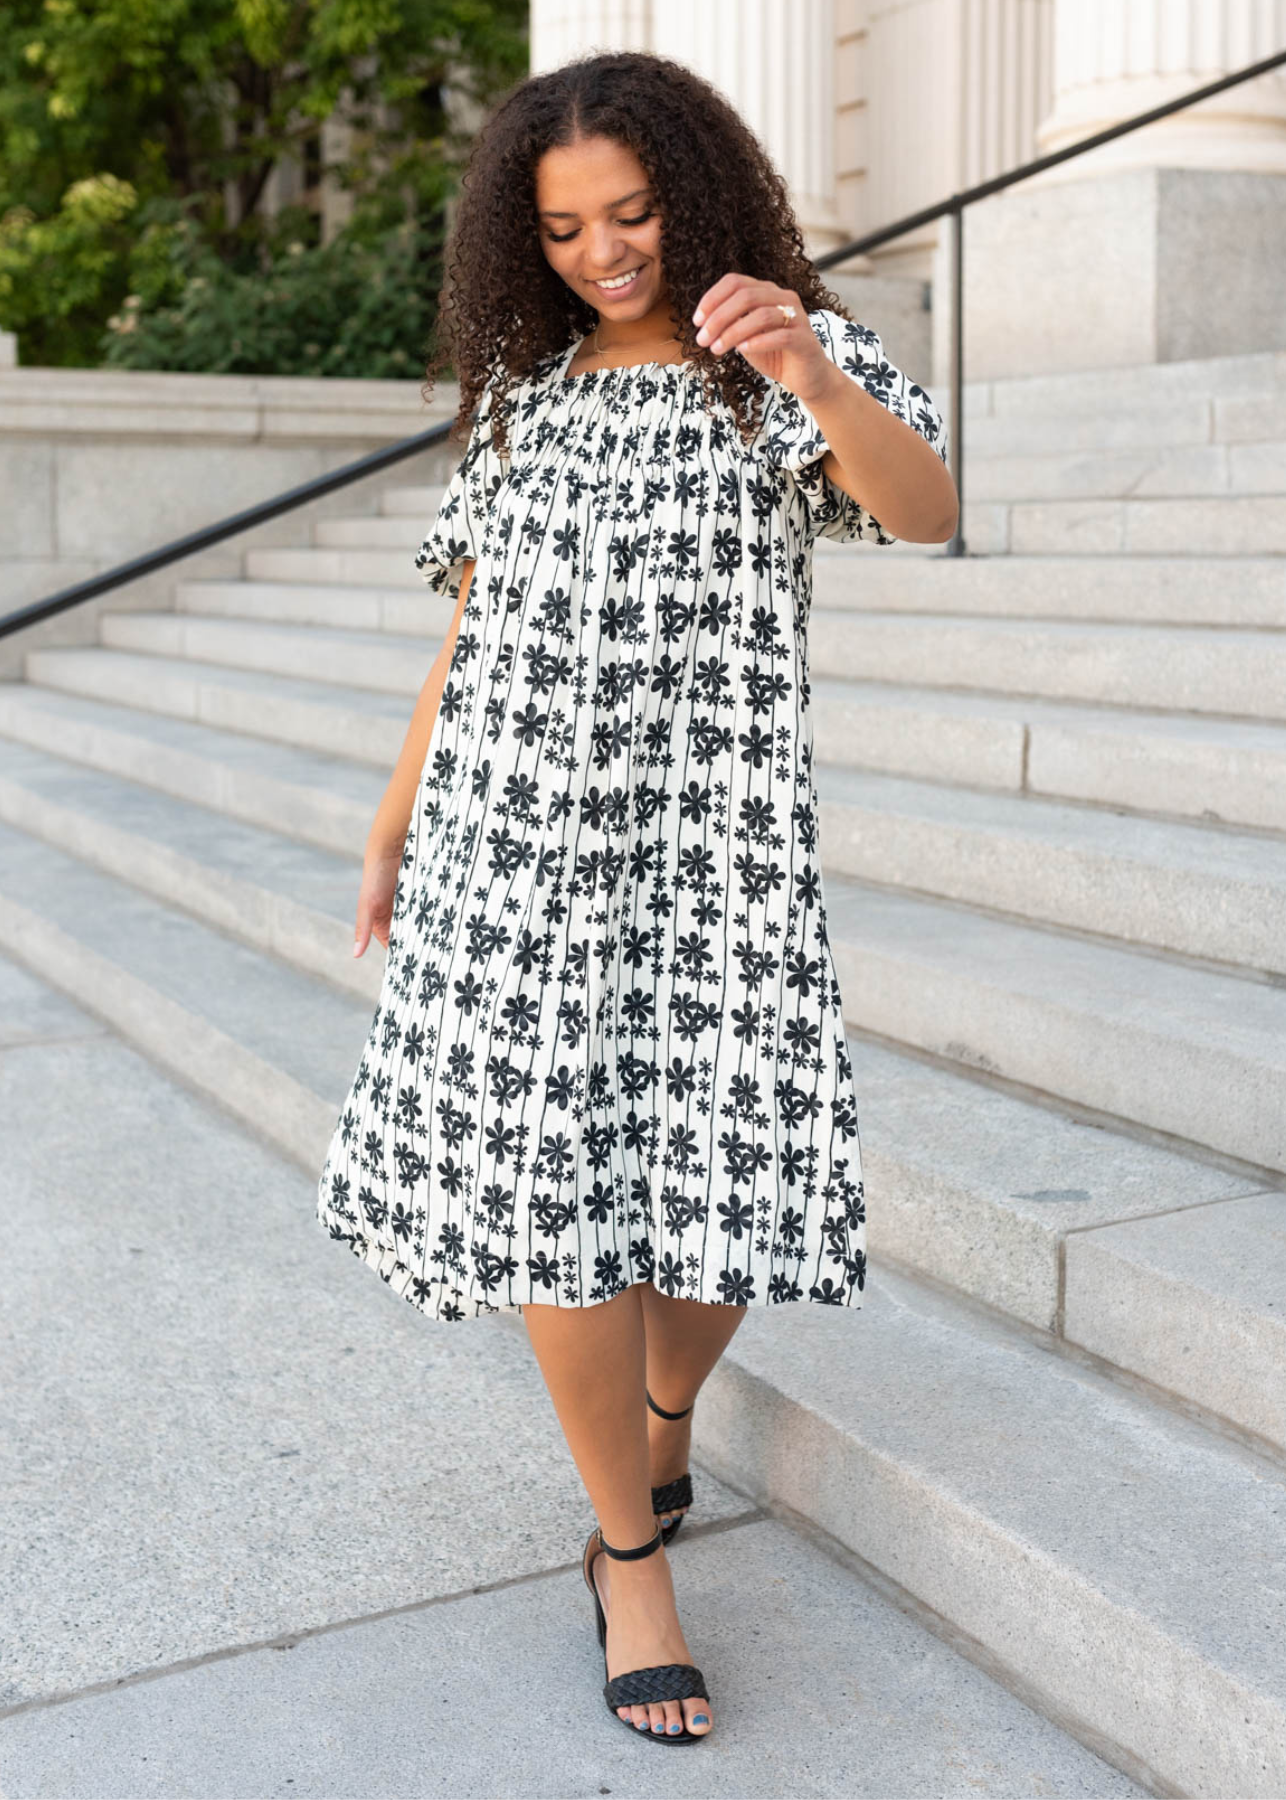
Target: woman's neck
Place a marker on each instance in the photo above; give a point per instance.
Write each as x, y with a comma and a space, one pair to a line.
627, 337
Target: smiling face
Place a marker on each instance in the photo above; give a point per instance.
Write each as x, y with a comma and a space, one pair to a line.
598, 221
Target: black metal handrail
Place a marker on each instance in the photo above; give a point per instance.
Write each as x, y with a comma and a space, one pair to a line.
954, 204
222, 528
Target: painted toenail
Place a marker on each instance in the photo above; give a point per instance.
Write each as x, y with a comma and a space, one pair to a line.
641, 1723
674, 1728
700, 1718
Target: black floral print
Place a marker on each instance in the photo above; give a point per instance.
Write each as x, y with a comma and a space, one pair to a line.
609, 1045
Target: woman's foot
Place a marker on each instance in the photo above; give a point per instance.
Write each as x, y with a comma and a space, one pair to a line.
669, 1444
643, 1630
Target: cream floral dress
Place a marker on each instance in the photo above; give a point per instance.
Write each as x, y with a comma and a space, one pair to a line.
609, 1045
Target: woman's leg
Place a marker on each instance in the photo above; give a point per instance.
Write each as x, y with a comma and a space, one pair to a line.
685, 1339
593, 1359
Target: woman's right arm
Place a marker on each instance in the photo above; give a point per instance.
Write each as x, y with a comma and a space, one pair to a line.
387, 836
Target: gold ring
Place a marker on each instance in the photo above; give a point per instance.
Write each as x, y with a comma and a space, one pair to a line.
787, 312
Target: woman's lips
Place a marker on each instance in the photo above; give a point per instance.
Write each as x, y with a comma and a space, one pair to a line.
611, 293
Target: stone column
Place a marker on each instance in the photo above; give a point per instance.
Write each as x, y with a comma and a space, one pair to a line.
1114, 58
561, 29
1164, 245
775, 61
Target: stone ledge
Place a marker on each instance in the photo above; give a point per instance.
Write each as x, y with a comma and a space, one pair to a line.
249, 408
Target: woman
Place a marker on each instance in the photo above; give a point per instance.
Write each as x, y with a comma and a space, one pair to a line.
607, 1081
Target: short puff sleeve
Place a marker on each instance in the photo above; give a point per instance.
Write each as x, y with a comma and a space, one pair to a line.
793, 441
457, 534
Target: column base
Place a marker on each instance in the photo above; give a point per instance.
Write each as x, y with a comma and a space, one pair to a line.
1133, 266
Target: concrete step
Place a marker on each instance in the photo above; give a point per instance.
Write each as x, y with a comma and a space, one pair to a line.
276, 1047
1145, 590
1175, 887
1222, 770
282, 897
1229, 525
852, 579
369, 726
1201, 471
464, 1650
1160, 424
1172, 669
1192, 1053
1254, 381
324, 800
1202, 893
311, 566
1182, 1050
1156, 1265
378, 660
351, 608
1101, 507
1241, 674
382, 532
997, 469
1191, 889
1129, 1563
418, 502
1209, 769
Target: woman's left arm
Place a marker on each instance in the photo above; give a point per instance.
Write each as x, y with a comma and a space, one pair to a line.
876, 458
880, 461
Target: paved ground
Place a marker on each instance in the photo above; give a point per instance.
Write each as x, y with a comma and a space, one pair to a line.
270, 1532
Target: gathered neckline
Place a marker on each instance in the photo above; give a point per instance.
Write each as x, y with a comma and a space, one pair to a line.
683, 362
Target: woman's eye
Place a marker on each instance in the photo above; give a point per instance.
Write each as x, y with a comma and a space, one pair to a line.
567, 236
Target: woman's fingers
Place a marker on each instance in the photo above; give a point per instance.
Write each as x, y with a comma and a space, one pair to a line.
763, 327
722, 316
374, 916
375, 901
720, 319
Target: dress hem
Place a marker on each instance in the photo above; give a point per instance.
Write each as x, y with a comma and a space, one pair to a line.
401, 1278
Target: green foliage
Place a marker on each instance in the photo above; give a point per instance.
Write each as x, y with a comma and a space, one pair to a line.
359, 306
58, 274
139, 139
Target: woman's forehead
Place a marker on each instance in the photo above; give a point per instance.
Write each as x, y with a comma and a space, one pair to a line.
593, 175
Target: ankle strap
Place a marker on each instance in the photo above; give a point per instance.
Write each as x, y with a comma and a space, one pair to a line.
668, 1415
653, 1543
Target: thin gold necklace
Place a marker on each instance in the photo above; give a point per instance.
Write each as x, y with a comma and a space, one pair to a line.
598, 351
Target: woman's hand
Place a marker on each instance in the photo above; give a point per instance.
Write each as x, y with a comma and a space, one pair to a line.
740, 313
375, 899
878, 460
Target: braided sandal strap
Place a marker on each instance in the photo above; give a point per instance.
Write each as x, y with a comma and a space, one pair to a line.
663, 1681
670, 1494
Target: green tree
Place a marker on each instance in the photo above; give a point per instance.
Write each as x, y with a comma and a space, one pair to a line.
138, 139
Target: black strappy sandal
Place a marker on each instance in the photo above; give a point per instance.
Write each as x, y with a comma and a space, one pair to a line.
642, 1687
670, 1494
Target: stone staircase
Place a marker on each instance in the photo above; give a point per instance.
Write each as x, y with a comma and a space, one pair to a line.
1182, 458
1054, 827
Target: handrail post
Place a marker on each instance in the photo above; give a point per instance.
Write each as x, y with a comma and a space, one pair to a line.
956, 542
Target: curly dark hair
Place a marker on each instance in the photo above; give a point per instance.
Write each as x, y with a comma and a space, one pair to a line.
723, 207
